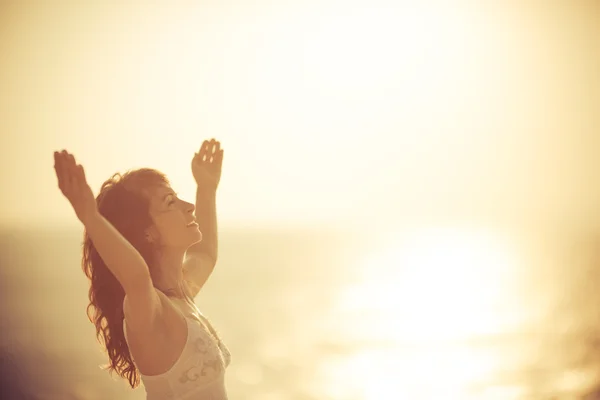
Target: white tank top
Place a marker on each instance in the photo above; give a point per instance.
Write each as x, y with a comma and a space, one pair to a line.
198, 373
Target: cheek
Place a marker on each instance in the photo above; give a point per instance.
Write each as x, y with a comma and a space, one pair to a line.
170, 229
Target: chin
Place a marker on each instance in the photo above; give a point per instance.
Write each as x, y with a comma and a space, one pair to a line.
197, 237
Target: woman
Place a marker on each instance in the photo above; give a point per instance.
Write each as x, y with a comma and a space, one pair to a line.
147, 259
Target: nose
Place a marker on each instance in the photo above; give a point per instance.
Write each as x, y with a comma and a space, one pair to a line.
188, 207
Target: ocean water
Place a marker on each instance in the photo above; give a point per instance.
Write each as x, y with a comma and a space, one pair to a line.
427, 313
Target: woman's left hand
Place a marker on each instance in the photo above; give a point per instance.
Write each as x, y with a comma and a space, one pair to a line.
206, 165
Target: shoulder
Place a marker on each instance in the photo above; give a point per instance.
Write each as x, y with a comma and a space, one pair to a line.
190, 288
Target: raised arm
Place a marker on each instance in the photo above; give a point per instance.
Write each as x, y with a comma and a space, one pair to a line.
202, 257
121, 258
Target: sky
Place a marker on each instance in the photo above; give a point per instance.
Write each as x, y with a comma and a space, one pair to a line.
358, 112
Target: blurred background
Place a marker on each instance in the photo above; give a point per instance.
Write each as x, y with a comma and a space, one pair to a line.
409, 200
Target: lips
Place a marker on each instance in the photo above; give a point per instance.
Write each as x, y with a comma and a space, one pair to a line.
193, 223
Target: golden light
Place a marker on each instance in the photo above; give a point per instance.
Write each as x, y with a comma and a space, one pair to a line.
415, 307
437, 284
457, 373
352, 101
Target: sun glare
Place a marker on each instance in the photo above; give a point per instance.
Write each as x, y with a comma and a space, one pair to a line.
412, 312
438, 284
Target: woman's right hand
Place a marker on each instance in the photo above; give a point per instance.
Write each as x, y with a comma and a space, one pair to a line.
72, 183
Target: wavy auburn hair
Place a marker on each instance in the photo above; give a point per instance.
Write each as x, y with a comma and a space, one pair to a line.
124, 200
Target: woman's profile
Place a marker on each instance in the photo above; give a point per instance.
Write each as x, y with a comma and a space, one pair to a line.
147, 254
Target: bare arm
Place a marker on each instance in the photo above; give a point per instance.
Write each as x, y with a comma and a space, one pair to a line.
141, 306
202, 257
121, 258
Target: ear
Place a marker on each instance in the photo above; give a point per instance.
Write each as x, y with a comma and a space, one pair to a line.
150, 234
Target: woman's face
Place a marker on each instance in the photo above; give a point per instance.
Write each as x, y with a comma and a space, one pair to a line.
174, 223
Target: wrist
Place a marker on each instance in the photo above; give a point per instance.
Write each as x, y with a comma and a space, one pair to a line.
90, 217
205, 192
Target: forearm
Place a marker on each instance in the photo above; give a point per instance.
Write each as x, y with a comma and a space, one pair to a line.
121, 258
206, 216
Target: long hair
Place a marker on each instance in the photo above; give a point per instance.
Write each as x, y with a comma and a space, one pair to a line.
124, 201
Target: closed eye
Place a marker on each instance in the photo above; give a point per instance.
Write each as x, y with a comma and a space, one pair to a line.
171, 197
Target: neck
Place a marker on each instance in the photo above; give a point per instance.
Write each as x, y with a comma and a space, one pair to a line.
168, 274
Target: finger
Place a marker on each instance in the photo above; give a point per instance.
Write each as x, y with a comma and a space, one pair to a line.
81, 182
219, 159
82, 174
213, 149
72, 171
63, 172
204, 151
203, 147
57, 169
55, 155
216, 148
70, 160
72, 174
